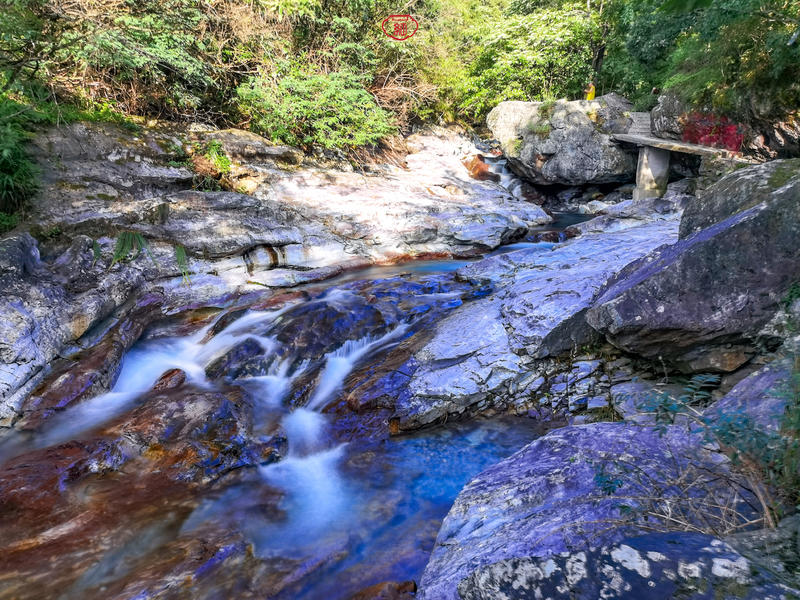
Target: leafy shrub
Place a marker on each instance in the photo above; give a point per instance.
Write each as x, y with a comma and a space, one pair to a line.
303, 109
18, 173
731, 57
708, 129
7, 222
129, 246
769, 459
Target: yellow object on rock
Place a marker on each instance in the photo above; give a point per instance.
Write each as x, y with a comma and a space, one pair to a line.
590, 91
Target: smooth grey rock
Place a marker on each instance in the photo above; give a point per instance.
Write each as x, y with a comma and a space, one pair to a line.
565, 143
19, 255
690, 566
700, 304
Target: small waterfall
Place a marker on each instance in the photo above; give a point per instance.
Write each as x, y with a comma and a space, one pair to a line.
508, 179
315, 502
340, 362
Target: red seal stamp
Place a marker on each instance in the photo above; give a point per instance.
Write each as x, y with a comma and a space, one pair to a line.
399, 27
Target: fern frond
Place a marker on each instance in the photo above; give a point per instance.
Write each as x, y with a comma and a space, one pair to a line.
183, 263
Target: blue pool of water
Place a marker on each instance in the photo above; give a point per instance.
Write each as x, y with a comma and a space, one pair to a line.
367, 512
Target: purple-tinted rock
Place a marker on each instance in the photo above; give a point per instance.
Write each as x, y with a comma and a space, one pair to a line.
690, 566
701, 303
545, 499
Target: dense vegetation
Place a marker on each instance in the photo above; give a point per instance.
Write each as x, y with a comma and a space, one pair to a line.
321, 72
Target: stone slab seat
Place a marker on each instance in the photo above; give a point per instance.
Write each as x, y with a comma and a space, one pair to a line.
652, 172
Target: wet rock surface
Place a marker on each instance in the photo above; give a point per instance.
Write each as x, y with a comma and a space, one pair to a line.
297, 225
494, 353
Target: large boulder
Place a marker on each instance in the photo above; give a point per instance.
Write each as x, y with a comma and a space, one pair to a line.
575, 488
701, 303
567, 143
667, 117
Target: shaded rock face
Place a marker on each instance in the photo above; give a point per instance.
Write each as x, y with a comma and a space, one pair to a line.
666, 118
664, 565
546, 500
760, 397
701, 303
776, 139
43, 311
565, 143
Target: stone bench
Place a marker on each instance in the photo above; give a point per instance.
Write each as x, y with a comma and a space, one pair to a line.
652, 171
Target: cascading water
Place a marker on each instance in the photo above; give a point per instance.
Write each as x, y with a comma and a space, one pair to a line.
348, 514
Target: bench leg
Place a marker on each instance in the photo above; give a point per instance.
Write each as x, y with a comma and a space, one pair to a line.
652, 173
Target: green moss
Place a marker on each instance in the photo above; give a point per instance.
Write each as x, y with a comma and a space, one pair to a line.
546, 109
541, 128
515, 148
784, 173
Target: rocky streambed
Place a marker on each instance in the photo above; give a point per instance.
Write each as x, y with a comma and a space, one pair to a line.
378, 380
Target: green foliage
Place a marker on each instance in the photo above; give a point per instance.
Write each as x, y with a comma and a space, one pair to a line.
183, 262
792, 295
213, 152
309, 72
539, 56
129, 246
772, 456
730, 56
667, 408
540, 128
607, 482
97, 252
18, 173
7, 222
331, 110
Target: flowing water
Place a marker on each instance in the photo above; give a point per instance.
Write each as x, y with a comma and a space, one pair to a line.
357, 512
362, 512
